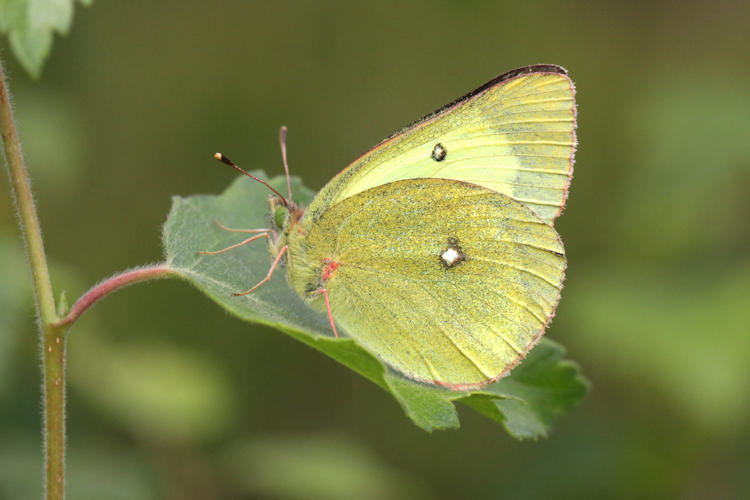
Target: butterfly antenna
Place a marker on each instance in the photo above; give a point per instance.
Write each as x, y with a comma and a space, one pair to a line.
229, 162
282, 141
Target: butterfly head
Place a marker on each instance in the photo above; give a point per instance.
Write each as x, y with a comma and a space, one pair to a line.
283, 213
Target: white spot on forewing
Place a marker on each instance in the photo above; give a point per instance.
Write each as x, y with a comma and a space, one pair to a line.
450, 256
439, 152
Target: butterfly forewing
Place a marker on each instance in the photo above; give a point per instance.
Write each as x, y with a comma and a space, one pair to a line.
515, 136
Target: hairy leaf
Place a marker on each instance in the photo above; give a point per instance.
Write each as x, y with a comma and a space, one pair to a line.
526, 402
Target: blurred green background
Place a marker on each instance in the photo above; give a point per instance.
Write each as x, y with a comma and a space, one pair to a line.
169, 397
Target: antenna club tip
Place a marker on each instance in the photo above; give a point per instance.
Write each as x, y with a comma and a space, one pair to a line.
218, 156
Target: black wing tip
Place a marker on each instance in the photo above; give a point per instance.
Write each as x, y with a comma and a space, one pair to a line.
508, 75
533, 68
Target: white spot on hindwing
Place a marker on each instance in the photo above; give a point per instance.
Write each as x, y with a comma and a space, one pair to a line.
452, 255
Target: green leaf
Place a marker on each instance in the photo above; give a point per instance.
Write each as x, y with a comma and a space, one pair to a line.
526, 402
539, 390
30, 25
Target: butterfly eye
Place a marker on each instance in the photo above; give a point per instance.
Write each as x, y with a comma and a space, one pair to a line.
439, 152
280, 217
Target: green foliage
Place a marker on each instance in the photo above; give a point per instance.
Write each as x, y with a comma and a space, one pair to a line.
30, 25
526, 402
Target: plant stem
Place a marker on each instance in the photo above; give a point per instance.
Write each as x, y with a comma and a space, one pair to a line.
28, 220
52, 337
54, 412
113, 284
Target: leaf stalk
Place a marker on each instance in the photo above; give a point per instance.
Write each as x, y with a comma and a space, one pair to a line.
112, 284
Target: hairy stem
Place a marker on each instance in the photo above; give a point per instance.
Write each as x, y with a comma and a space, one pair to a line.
116, 282
54, 412
52, 337
28, 219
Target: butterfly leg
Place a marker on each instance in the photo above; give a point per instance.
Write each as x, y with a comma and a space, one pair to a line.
241, 243
231, 230
264, 233
270, 272
328, 308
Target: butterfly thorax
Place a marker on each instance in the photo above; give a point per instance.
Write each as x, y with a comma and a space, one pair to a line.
305, 274
306, 271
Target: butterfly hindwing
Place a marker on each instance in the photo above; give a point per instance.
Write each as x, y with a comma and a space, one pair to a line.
448, 282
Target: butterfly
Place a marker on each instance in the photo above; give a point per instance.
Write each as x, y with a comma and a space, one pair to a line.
436, 250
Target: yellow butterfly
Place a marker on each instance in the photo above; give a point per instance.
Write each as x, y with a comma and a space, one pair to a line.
435, 249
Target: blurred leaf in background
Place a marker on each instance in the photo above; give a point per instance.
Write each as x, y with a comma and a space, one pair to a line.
31, 25
324, 466
156, 390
